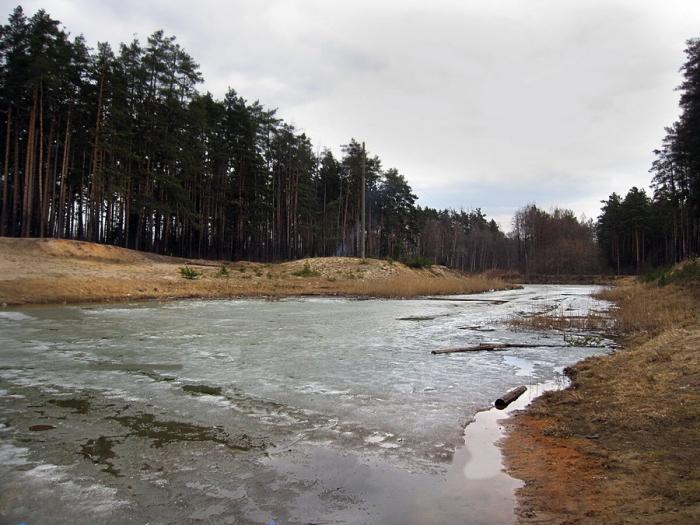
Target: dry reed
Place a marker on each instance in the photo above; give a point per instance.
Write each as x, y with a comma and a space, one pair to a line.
639, 309
419, 285
648, 308
591, 322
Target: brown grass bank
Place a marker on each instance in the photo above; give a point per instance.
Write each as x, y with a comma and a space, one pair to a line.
541, 278
57, 271
639, 310
621, 444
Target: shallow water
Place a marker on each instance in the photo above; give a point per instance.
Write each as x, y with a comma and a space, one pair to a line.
302, 410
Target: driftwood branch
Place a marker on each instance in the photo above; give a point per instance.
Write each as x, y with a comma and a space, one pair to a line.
495, 347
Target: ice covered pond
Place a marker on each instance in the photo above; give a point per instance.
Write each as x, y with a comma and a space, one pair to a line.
309, 410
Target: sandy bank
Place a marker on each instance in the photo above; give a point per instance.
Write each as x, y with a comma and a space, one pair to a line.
57, 271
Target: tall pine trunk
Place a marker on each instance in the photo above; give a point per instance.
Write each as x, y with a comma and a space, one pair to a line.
61, 207
28, 198
6, 173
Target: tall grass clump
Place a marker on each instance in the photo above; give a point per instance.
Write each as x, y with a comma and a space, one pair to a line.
413, 286
645, 308
639, 308
557, 319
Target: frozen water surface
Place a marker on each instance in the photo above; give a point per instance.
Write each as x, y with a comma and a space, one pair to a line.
301, 410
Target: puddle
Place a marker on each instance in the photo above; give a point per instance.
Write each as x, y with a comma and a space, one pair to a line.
477, 466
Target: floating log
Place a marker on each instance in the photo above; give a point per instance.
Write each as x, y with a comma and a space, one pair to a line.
494, 347
478, 348
507, 398
485, 347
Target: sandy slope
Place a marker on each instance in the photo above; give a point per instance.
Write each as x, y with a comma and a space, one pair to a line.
55, 271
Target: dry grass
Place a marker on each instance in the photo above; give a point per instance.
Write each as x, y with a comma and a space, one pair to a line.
57, 271
650, 309
639, 309
623, 440
593, 321
418, 285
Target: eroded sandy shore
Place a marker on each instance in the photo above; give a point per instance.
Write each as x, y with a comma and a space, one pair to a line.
48, 271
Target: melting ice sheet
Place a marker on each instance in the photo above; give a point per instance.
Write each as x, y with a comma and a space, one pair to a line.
242, 411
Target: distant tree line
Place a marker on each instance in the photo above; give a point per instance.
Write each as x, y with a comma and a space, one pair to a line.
119, 147
637, 231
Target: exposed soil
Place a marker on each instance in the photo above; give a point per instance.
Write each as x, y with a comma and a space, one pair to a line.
621, 444
57, 271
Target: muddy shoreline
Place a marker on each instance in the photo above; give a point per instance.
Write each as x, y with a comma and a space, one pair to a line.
620, 444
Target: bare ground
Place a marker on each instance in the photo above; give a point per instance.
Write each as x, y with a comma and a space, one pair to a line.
621, 444
58, 271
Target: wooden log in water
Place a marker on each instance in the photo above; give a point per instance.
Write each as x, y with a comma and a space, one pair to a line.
507, 398
484, 347
502, 346
478, 348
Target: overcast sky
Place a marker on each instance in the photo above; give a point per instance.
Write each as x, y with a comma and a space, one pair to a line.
492, 104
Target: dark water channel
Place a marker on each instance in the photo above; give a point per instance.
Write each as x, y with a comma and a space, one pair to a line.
302, 411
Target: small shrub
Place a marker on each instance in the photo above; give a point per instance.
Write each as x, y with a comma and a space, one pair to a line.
189, 273
682, 274
306, 271
417, 261
657, 274
258, 272
223, 272
242, 269
687, 273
